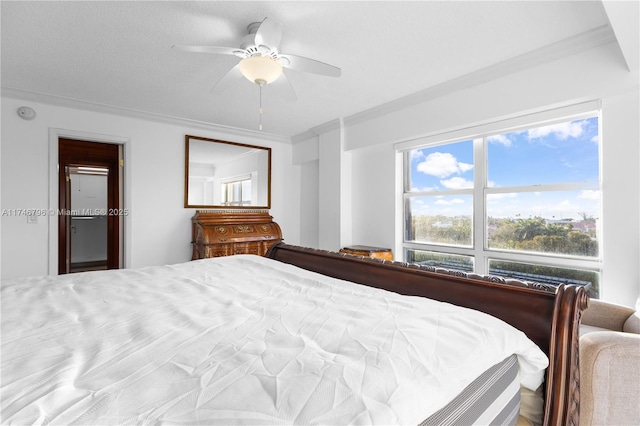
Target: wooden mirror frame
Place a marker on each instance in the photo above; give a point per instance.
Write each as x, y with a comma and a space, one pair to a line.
230, 145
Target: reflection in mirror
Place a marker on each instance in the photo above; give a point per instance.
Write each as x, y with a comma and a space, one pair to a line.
221, 174
89, 189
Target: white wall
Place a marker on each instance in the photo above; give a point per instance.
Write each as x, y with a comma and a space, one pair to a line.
621, 204
158, 227
374, 216
330, 153
599, 73
305, 157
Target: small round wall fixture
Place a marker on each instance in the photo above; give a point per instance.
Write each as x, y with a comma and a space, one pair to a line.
26, 113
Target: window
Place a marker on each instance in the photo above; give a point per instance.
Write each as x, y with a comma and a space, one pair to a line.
236, 192
518, 201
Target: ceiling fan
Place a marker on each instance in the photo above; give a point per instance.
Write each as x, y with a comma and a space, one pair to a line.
261, 61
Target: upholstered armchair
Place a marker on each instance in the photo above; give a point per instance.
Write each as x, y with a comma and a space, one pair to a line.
609, 365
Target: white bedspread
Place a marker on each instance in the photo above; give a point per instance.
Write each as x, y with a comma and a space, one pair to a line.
239, 339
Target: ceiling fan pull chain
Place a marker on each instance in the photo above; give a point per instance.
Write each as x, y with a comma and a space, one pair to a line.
260, 109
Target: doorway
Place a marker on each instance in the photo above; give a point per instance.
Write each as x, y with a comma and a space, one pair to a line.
89, 194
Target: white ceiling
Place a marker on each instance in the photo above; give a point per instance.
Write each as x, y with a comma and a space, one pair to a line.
118, 54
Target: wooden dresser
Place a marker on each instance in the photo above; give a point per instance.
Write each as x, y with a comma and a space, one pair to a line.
369, 251
228, 232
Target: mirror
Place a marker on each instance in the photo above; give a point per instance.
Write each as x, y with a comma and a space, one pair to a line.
221, 174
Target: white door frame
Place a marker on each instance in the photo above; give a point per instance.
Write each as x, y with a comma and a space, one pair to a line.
125, 193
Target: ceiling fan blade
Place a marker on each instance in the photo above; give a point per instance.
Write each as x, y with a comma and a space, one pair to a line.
284, 88
208, 49
269, 34
228, 80
300, 63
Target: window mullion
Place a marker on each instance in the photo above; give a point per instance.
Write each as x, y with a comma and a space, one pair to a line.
479, 220
565, 186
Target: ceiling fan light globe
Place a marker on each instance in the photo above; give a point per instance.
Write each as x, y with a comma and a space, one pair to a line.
260, 68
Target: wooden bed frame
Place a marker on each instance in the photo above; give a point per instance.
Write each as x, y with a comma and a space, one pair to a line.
549, 316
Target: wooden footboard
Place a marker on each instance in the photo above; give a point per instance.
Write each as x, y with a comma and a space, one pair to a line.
549, 316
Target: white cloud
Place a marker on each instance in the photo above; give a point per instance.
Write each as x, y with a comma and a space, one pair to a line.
417, 155
589, 194
564, 204
562, 131
442, 202
441, 165
501, 139
465, 167
501, 196
457, 183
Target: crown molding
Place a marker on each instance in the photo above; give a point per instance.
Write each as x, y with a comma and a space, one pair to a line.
327, 127
569, 46
334, 124
62, 101
304, 136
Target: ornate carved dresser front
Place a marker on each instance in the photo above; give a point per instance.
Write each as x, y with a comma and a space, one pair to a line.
229, 232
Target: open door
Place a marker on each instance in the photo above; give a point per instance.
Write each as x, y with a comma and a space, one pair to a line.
89, 203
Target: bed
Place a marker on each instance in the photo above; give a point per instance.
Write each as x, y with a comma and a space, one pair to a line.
290, 338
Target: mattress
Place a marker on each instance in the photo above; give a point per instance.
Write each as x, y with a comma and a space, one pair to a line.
240, 340
493, 398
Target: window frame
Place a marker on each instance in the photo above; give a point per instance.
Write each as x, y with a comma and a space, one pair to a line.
229, 182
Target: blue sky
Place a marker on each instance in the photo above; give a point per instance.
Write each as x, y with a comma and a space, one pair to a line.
559, 153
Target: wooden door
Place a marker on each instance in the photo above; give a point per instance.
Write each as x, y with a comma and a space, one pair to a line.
77, 153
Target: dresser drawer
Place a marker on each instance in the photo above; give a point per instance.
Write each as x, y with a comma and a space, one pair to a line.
217, 251
248, 248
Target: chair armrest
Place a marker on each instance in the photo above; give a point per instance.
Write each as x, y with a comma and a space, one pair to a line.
632, 324
606, 315
609, 378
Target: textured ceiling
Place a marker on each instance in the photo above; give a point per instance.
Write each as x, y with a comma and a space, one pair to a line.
118, 54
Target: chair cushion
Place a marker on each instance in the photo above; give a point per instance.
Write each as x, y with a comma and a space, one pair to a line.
585, 328
609, 378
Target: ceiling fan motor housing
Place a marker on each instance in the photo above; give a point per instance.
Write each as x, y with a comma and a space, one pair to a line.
248, 44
